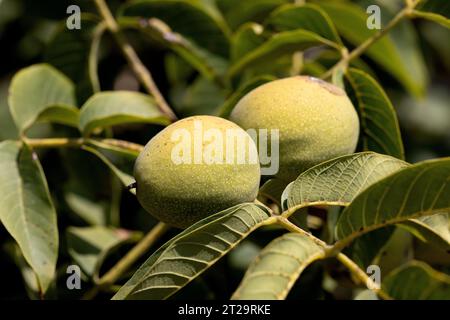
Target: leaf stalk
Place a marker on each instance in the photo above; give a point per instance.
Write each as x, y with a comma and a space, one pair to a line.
80, 142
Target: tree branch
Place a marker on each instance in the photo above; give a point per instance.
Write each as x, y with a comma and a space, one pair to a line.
143, 74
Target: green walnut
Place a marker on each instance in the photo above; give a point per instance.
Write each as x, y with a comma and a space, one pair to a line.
316, 121
194, 168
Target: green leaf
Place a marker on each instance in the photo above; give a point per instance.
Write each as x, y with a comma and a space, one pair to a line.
191, 252
237, 12
307, 17
110, 108
339, 181
26, 209
399, 58
379, 124
89, 246
434, 10
417, 281
248, 37
431, 229
119, 160
278, 266
413, 192
36, 88
67, 115
279, 44
186, 17
230, 103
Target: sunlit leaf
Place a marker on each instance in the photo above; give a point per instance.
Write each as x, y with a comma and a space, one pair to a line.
106, 109
36, 88
67, 115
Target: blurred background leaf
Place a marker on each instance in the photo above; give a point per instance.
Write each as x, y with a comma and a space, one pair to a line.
89, 246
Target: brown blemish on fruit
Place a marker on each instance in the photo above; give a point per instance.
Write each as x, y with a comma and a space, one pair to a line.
326, 85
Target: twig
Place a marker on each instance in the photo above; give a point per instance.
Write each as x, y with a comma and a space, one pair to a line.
110, 277
143, 74
407, 11
54, 142
79, 142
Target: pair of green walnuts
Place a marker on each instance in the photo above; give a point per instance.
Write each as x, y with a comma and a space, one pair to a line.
316, 122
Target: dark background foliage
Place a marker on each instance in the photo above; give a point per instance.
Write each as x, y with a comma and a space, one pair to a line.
80, 183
